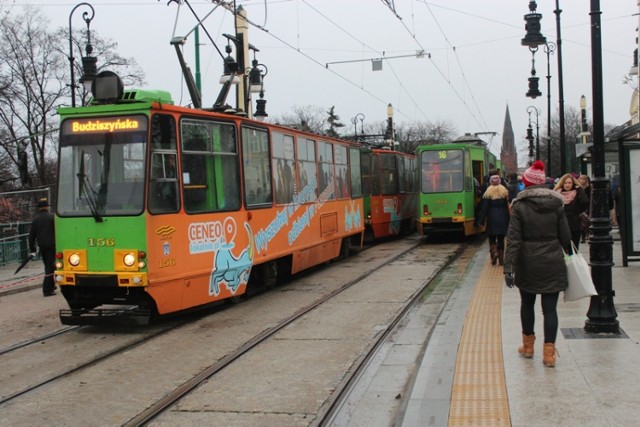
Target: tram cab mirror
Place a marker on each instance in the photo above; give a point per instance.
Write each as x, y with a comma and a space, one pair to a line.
107, 87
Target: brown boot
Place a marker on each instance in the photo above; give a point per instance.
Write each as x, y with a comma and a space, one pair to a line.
501, 256
549, 354
526, 350
493, 250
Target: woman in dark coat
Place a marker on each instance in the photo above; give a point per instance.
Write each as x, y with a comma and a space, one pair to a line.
534, 258
495, 210
575, 202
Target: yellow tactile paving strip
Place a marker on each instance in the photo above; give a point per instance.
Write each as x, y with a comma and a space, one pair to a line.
479, 394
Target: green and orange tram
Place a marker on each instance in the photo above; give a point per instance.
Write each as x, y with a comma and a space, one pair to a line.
389, 192
163, 208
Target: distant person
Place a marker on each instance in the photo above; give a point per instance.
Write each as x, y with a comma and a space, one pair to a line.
534, 259
495, 210
585, 183
575, 203
616, 195
513, 186
42, 232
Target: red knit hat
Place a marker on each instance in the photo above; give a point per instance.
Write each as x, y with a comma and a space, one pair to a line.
534, 175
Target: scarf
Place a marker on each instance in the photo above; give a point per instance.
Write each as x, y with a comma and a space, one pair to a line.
568, 195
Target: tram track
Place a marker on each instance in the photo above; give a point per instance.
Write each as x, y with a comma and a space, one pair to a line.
168, 401
38, 339
32, 385
215, 349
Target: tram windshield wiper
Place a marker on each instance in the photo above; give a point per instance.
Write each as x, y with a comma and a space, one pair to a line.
88, 191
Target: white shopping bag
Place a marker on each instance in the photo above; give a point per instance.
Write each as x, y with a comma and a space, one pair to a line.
579, 275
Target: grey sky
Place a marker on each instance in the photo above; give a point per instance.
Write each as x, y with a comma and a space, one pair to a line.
476, 67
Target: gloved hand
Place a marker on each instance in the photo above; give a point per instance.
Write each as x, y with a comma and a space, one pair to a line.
33, 254
509, 280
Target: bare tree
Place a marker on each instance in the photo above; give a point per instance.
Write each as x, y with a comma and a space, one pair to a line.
31, 70
108, 58
34, 76
309, 118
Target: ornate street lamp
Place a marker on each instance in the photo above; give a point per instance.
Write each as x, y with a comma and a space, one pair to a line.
531, 109
89, 62
529, 138
601, 316
549, 48
256, 85
354, 120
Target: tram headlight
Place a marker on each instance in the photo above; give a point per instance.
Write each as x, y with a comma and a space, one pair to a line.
129, 260
74, 259
59, 265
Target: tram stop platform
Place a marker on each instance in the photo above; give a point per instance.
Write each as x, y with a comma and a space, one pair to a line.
472, 374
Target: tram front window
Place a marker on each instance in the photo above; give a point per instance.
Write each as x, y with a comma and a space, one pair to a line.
102, 166
442, 171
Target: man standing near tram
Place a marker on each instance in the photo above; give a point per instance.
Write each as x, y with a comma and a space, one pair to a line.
42, 232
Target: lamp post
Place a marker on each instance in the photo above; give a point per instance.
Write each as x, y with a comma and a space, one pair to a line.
354, 120
532, 40
531, 108
601, 316
88, 61
256, 85
563, 147
529, 138
549, 48
389, 134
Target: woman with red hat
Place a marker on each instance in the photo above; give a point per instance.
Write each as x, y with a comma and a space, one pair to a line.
534, 259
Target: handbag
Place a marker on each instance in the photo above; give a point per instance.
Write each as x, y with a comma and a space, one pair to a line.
579, 276
584, 220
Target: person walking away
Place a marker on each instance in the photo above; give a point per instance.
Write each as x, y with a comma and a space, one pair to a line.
585, 183
495, 211
513, 186
42, 232
534, 259
575, 203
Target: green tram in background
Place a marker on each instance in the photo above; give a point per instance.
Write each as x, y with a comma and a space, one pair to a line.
450, 177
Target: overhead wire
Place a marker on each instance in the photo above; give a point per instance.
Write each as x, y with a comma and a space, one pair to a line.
462, 72
439, 70
312, 59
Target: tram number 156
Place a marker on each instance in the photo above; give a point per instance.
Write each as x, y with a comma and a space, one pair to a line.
101, 241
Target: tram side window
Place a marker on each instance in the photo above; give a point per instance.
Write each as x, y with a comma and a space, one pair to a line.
326, 180
355, 169
409, 174
307, 169
375, 175
365, 170
402, 175
210, 172
389, 177
163, 181
342, 172
284, 167
257, 175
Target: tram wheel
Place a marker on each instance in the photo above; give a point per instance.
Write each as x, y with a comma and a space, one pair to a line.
345, 247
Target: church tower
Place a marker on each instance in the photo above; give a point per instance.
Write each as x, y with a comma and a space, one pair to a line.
508, 154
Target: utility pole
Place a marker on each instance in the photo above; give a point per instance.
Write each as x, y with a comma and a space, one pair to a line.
243, 102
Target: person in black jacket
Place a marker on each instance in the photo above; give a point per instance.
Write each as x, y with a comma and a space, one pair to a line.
575, 202
534, 259
495, 211
42, 232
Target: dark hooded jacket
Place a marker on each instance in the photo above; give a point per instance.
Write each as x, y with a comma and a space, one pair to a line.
538, 232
